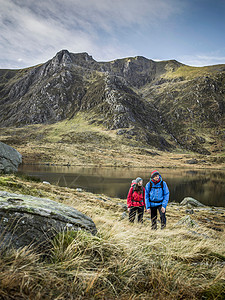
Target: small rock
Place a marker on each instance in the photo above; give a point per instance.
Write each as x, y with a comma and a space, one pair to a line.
46, 182
123, 206
192, 161
124, 216
189, 211
207, 220
191, 201
199, 234
99, 198
121, 131
187, 220
128, 136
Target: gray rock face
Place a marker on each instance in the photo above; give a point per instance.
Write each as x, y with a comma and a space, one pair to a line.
9, 159
191, 201
69, 83
27, 220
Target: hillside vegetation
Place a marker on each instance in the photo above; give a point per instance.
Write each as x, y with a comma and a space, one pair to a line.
122, 261
79, 142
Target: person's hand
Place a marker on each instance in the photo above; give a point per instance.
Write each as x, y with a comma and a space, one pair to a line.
163, 210
148, 210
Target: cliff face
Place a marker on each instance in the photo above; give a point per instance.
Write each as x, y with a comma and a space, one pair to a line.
163, 104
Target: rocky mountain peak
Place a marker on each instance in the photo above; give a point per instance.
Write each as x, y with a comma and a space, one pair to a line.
65, 58
62, 57
124, 93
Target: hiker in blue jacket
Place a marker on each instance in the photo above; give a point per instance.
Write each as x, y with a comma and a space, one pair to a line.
156, 198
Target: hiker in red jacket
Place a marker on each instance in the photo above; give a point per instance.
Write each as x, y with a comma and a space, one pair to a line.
136, 200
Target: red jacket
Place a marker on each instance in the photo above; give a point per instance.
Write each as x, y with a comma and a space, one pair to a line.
135, 199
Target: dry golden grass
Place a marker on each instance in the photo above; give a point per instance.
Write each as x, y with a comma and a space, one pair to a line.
86, 144
123, 261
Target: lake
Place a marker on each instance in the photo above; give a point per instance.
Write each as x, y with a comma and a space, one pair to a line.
207, 186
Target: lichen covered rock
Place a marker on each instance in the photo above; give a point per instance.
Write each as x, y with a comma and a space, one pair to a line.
191, 201
10, 159
27, 220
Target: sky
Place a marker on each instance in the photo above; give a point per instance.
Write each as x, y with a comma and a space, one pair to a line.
190, 31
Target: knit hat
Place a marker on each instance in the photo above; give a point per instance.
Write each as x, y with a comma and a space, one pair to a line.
138, 179
154, 173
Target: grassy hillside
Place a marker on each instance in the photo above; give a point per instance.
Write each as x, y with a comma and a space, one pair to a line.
122, 261
188, 72
80, 142
191, 102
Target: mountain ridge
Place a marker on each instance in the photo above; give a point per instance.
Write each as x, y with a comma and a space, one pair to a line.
163, 104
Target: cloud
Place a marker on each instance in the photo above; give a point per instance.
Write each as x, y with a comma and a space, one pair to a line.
202, 60
33, 31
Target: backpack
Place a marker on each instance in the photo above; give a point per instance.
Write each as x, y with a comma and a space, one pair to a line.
133, 192
156, 188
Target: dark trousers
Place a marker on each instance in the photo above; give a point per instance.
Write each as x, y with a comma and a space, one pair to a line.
139, 210
154, 217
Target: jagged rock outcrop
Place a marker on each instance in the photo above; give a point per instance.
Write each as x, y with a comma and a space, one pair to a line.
62, 86
10, 159
27, 220
120, 107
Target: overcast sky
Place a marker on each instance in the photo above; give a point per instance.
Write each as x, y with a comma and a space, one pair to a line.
190, 31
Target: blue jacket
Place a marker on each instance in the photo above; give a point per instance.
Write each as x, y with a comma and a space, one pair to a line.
157, 196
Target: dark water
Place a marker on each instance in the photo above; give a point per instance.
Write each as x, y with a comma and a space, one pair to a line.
207, 186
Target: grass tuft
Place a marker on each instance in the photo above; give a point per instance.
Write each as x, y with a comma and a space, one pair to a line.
123, 261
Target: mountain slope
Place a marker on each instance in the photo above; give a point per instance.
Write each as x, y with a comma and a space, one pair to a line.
162, 104
192, 106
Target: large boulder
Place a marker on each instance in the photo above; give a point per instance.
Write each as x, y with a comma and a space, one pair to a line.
191, 201
10, 159
27, 220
